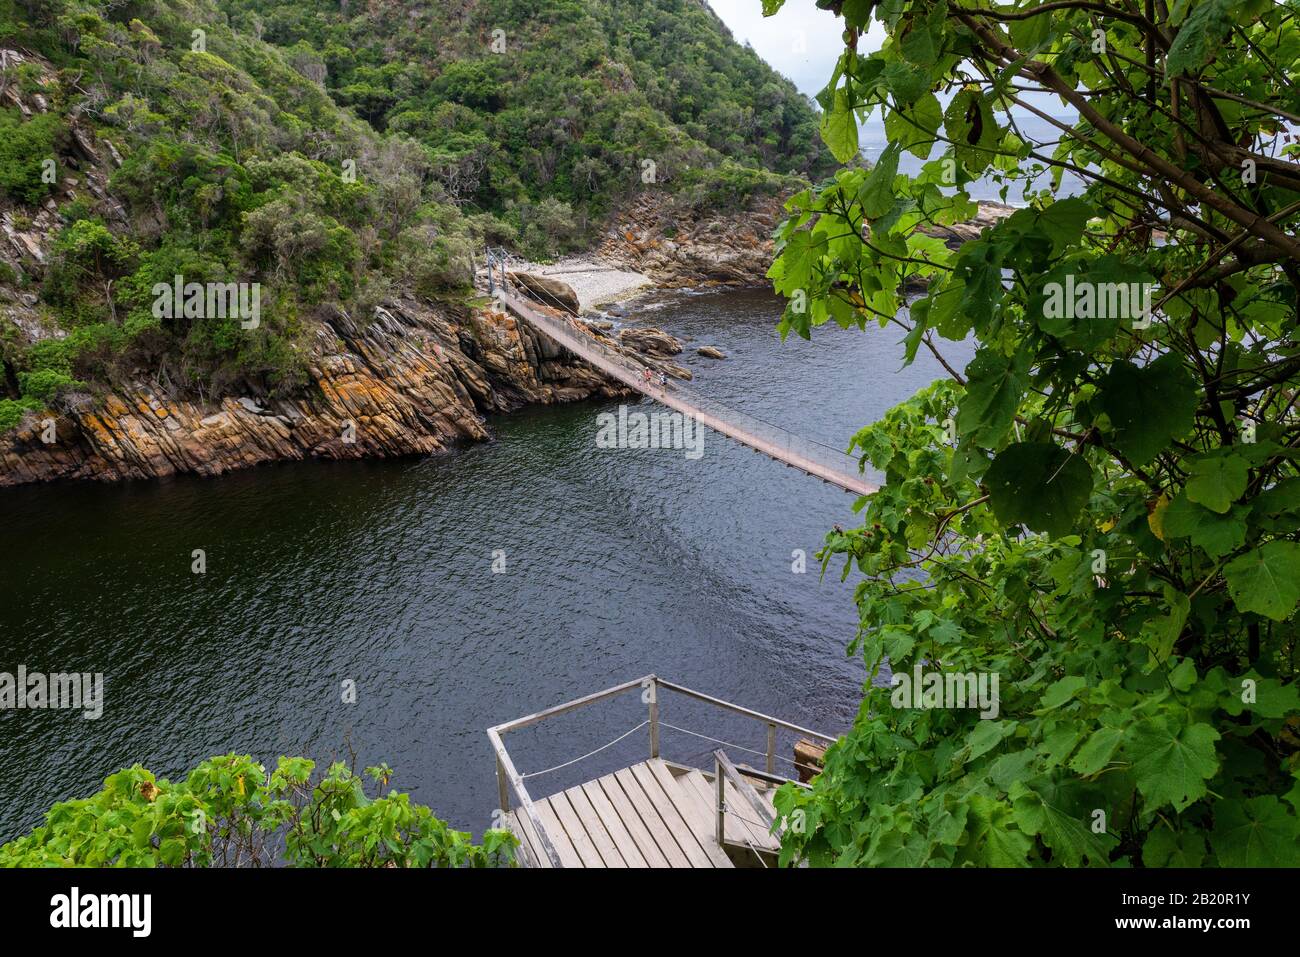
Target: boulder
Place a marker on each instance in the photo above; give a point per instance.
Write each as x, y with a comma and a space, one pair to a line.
549, 292
651, 341
711, 352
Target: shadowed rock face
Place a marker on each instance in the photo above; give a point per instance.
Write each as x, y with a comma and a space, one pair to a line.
547, 291
411, 382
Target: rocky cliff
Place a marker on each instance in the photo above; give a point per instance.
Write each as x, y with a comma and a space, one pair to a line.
676, 248
412, 381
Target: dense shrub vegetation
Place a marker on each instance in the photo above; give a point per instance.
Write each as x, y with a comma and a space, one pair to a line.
1103, 509
229, 812
338, 153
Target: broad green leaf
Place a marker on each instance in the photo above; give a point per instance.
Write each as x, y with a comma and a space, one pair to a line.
876, 194
1060, 692
839, 128
1266, 580
1162, 631
1165, 847
1148, 405
1171, 767
1039, 485
1069, 839
907, 82
1217, 479
1026, 34
1217, 534
1097, 751
987, 736
993, 389
1064, 221
914, 128
1199, 36
1255, 832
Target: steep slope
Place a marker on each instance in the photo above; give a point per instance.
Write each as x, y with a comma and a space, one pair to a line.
335, 166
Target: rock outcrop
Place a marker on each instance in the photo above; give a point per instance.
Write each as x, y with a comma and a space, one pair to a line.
411, 381
652, 341
674, 249
990, 213
547, 291
692, 249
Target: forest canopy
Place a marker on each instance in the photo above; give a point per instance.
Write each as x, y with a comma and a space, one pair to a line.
340, 154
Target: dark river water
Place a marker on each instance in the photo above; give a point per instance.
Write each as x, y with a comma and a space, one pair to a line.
618, 563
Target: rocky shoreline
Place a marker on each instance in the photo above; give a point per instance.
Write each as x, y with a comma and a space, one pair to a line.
413, 380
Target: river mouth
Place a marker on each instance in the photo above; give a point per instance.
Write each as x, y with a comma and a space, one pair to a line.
617, 563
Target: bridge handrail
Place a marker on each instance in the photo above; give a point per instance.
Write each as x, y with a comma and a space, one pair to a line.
832, 464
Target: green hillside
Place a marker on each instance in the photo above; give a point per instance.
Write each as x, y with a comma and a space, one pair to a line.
339, 152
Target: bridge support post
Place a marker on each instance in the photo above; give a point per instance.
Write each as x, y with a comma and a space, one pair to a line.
651, 696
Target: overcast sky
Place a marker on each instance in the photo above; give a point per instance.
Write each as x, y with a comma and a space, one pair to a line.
801, 41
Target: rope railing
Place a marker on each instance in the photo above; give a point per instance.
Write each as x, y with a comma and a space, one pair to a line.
830, 464
510, 780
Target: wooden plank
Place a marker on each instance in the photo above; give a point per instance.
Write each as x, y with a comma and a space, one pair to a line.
522, 826
576, 833
740, 819
610, 789
672, 818
525, 856
703, 788
650, 819
691, 811
596, 830
564, 846
699, 811
622, 837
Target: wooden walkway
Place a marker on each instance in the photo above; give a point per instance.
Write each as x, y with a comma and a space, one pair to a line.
831, 465
653, 814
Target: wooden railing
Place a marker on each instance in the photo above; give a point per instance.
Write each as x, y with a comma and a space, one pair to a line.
510, 780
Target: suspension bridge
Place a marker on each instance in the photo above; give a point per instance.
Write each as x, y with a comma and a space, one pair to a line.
831, 465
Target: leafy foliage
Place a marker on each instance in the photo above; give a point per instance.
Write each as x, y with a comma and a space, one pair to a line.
230, 812
1102, 509
24, 147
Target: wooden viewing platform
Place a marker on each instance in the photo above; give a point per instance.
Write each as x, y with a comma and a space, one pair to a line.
832, 466
653, 813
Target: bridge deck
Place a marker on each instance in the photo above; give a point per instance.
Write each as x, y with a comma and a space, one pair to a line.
653, 814
831, 465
